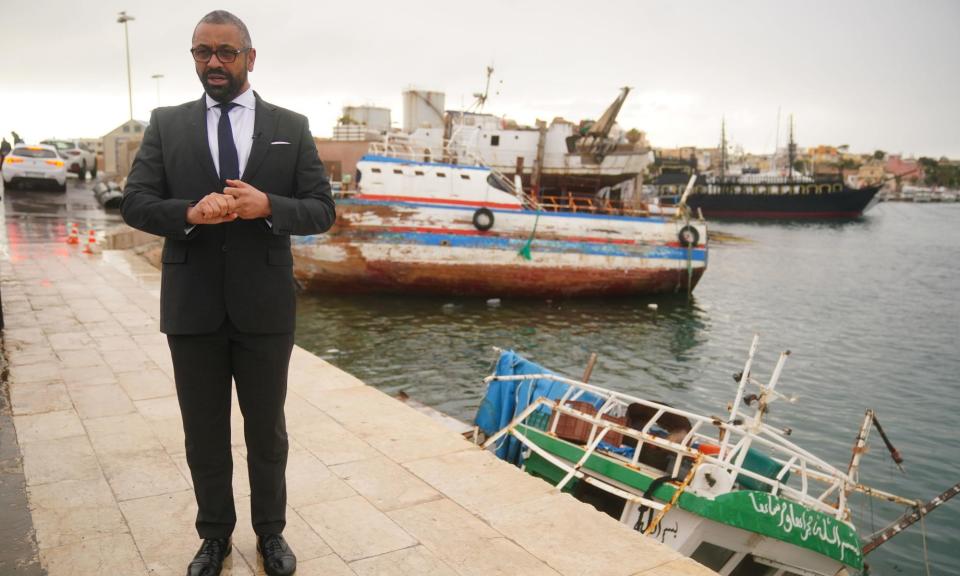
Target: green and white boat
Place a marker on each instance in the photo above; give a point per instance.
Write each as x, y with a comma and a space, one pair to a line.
732, 493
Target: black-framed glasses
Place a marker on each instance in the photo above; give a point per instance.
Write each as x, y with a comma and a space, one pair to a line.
225, 55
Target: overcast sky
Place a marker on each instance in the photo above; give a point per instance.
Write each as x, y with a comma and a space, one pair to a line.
871, 74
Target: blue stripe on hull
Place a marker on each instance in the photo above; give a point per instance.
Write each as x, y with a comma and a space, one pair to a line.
551, 246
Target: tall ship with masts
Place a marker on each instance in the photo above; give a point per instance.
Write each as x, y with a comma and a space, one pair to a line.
786, 194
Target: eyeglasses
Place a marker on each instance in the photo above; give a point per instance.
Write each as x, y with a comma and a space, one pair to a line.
225, 55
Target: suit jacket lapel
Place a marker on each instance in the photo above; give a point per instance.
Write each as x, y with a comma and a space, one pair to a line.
264, 127
201, 142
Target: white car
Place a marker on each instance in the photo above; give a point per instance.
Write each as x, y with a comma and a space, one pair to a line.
77, 156
34, 164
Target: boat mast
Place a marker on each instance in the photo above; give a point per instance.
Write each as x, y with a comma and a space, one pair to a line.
723, 149
791, 153
776, 144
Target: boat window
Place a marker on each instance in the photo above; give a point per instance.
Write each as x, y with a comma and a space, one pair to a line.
750, 567
397, 171
749, 189
774, 189
811, 189
441, 175
464, 176
375, 170
736, 189
497, 183
495, 140
712, 556
837, 187
418, 172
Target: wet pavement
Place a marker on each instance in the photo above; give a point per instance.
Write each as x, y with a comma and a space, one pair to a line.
42, 215
31, 216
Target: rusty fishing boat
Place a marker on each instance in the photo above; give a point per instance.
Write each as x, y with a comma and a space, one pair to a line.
439, 221
733, 492
451, 208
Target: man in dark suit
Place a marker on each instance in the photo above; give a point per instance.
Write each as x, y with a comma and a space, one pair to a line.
226, 180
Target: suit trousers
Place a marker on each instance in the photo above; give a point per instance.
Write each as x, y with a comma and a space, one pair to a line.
203, 366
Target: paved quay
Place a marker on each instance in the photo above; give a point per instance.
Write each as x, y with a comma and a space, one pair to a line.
375, 487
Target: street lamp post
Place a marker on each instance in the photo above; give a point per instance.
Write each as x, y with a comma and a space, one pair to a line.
123, 18
157, 77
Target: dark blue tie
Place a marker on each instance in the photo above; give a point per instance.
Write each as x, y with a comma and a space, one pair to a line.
229, 162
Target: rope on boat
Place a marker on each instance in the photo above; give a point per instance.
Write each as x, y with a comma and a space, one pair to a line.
525, 250
676, 496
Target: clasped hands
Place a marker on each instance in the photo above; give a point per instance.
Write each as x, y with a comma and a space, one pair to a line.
239, 200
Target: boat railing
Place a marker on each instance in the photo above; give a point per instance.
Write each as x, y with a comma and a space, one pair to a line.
801, 476
594, 205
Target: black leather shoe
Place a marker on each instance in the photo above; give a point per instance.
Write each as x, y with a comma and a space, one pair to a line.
210, 556
278, 558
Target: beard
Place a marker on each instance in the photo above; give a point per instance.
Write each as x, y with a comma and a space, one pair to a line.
222, 92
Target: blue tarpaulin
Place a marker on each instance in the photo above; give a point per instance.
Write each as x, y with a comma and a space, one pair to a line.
506, 399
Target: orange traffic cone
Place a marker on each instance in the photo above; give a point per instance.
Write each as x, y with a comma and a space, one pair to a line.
74, 237
91, 240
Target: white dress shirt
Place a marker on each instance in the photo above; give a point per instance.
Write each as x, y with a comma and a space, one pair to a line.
241, 123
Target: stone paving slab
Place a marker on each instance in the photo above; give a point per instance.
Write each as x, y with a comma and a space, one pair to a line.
375, 487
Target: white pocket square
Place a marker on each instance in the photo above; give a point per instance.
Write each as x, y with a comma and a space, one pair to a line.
278, 142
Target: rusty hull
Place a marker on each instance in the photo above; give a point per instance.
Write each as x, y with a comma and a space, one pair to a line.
349, 271
485, 280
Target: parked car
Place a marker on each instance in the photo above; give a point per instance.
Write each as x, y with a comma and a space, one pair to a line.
36, 164
78, 157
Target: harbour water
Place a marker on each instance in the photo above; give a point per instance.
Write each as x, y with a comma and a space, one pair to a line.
870, 310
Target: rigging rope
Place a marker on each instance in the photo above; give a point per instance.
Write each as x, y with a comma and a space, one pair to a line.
525, 250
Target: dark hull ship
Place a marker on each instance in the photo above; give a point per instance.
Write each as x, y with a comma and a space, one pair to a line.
767, 196
762, 197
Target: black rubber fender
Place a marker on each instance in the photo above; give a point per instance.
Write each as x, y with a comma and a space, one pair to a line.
483, 219
688, 236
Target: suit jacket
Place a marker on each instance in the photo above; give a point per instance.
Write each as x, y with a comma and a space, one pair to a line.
241, 269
